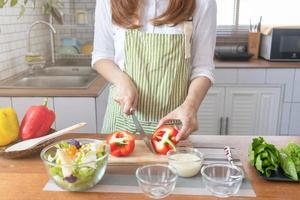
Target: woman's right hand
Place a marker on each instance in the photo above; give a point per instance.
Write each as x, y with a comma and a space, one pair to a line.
126, 94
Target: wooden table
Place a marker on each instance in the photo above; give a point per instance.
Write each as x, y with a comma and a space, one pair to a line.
25, 178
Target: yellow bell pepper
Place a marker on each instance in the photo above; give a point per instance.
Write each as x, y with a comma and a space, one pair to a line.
9, 126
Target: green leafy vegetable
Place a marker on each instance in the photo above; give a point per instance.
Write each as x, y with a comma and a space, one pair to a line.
265, 157
288, 166
290, 161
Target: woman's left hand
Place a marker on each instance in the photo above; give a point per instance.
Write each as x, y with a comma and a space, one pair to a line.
187, 114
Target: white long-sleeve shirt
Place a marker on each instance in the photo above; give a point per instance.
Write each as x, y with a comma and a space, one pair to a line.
109, 37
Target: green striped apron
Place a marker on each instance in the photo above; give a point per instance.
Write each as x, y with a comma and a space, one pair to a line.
158, 65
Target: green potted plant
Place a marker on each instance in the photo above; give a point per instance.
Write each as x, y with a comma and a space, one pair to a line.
47, 5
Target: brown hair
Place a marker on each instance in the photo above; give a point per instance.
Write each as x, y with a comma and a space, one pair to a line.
125, 13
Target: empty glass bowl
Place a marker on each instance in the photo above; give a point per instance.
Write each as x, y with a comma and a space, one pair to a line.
156, 181
222, 180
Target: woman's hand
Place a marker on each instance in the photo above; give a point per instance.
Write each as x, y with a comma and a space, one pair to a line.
187, 114
126, 94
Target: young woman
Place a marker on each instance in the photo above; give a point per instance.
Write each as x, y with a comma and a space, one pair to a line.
158, 57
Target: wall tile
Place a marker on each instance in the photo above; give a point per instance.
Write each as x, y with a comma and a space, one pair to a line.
13, 36
13, 33
296, 96
282, 76
295, 119
251, 75
226, 75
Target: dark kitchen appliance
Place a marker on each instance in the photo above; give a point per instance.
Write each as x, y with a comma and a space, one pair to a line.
232, 52
283, 44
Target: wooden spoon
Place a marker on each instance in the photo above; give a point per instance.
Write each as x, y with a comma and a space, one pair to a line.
28, 144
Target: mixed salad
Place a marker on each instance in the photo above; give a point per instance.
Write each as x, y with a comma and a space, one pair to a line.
77, 166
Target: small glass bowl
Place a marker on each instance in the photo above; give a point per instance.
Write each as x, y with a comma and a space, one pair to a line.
157, 181
83, 182
222, 180
187, 161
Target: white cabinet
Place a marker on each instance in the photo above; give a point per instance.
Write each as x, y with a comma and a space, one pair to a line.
5, 102
22, 104
211, 112
240, 110
252, 111
72, 110
101, 104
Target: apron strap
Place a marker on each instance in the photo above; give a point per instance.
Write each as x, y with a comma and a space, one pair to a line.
188, 29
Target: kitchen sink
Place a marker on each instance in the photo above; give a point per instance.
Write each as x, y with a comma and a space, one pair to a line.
53, 77
58, 70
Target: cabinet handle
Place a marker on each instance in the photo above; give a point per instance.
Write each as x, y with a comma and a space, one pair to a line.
226, 125
221, 125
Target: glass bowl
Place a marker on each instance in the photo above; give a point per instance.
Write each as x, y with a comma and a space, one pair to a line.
187, 161
222, 180
157, 181
84, 175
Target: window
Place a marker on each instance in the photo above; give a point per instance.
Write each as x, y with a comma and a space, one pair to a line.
274, 12
225, 12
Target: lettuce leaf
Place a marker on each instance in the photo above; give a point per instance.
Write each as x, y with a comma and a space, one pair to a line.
265, 157
288, 166
290, 161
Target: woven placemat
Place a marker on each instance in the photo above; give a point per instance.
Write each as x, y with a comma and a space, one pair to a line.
127, 183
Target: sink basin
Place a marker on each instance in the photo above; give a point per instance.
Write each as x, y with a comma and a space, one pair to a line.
54, 77
54, 81
69, 70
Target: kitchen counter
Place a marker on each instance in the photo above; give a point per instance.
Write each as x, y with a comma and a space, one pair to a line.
260, 63
25, 178
93, 90
99, 84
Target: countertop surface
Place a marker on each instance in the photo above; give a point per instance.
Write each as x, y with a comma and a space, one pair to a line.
99, 84
93, 90
259, 63
25, 178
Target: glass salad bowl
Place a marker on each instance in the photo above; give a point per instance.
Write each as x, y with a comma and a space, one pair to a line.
76, 164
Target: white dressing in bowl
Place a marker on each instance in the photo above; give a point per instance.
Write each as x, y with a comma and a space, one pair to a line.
186, 161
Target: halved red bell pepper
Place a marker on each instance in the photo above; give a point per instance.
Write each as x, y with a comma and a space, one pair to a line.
37, 121
121, 143
164, 139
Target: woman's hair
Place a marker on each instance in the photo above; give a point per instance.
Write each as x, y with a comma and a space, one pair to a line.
125, 13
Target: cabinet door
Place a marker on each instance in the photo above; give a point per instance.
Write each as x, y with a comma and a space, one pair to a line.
101, 104
252, 111
22, 104
5, 102
211, 112
72, 110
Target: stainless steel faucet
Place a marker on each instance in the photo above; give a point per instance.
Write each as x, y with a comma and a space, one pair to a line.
53, 31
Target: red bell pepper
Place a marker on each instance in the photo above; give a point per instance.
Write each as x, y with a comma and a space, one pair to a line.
37, 121
164, 139
121, 143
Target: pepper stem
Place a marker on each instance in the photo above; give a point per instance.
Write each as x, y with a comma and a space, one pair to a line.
45, 102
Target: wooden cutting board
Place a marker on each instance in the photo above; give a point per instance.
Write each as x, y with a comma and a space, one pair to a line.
140, 155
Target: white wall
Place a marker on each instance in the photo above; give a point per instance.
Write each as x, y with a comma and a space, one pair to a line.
13, 38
